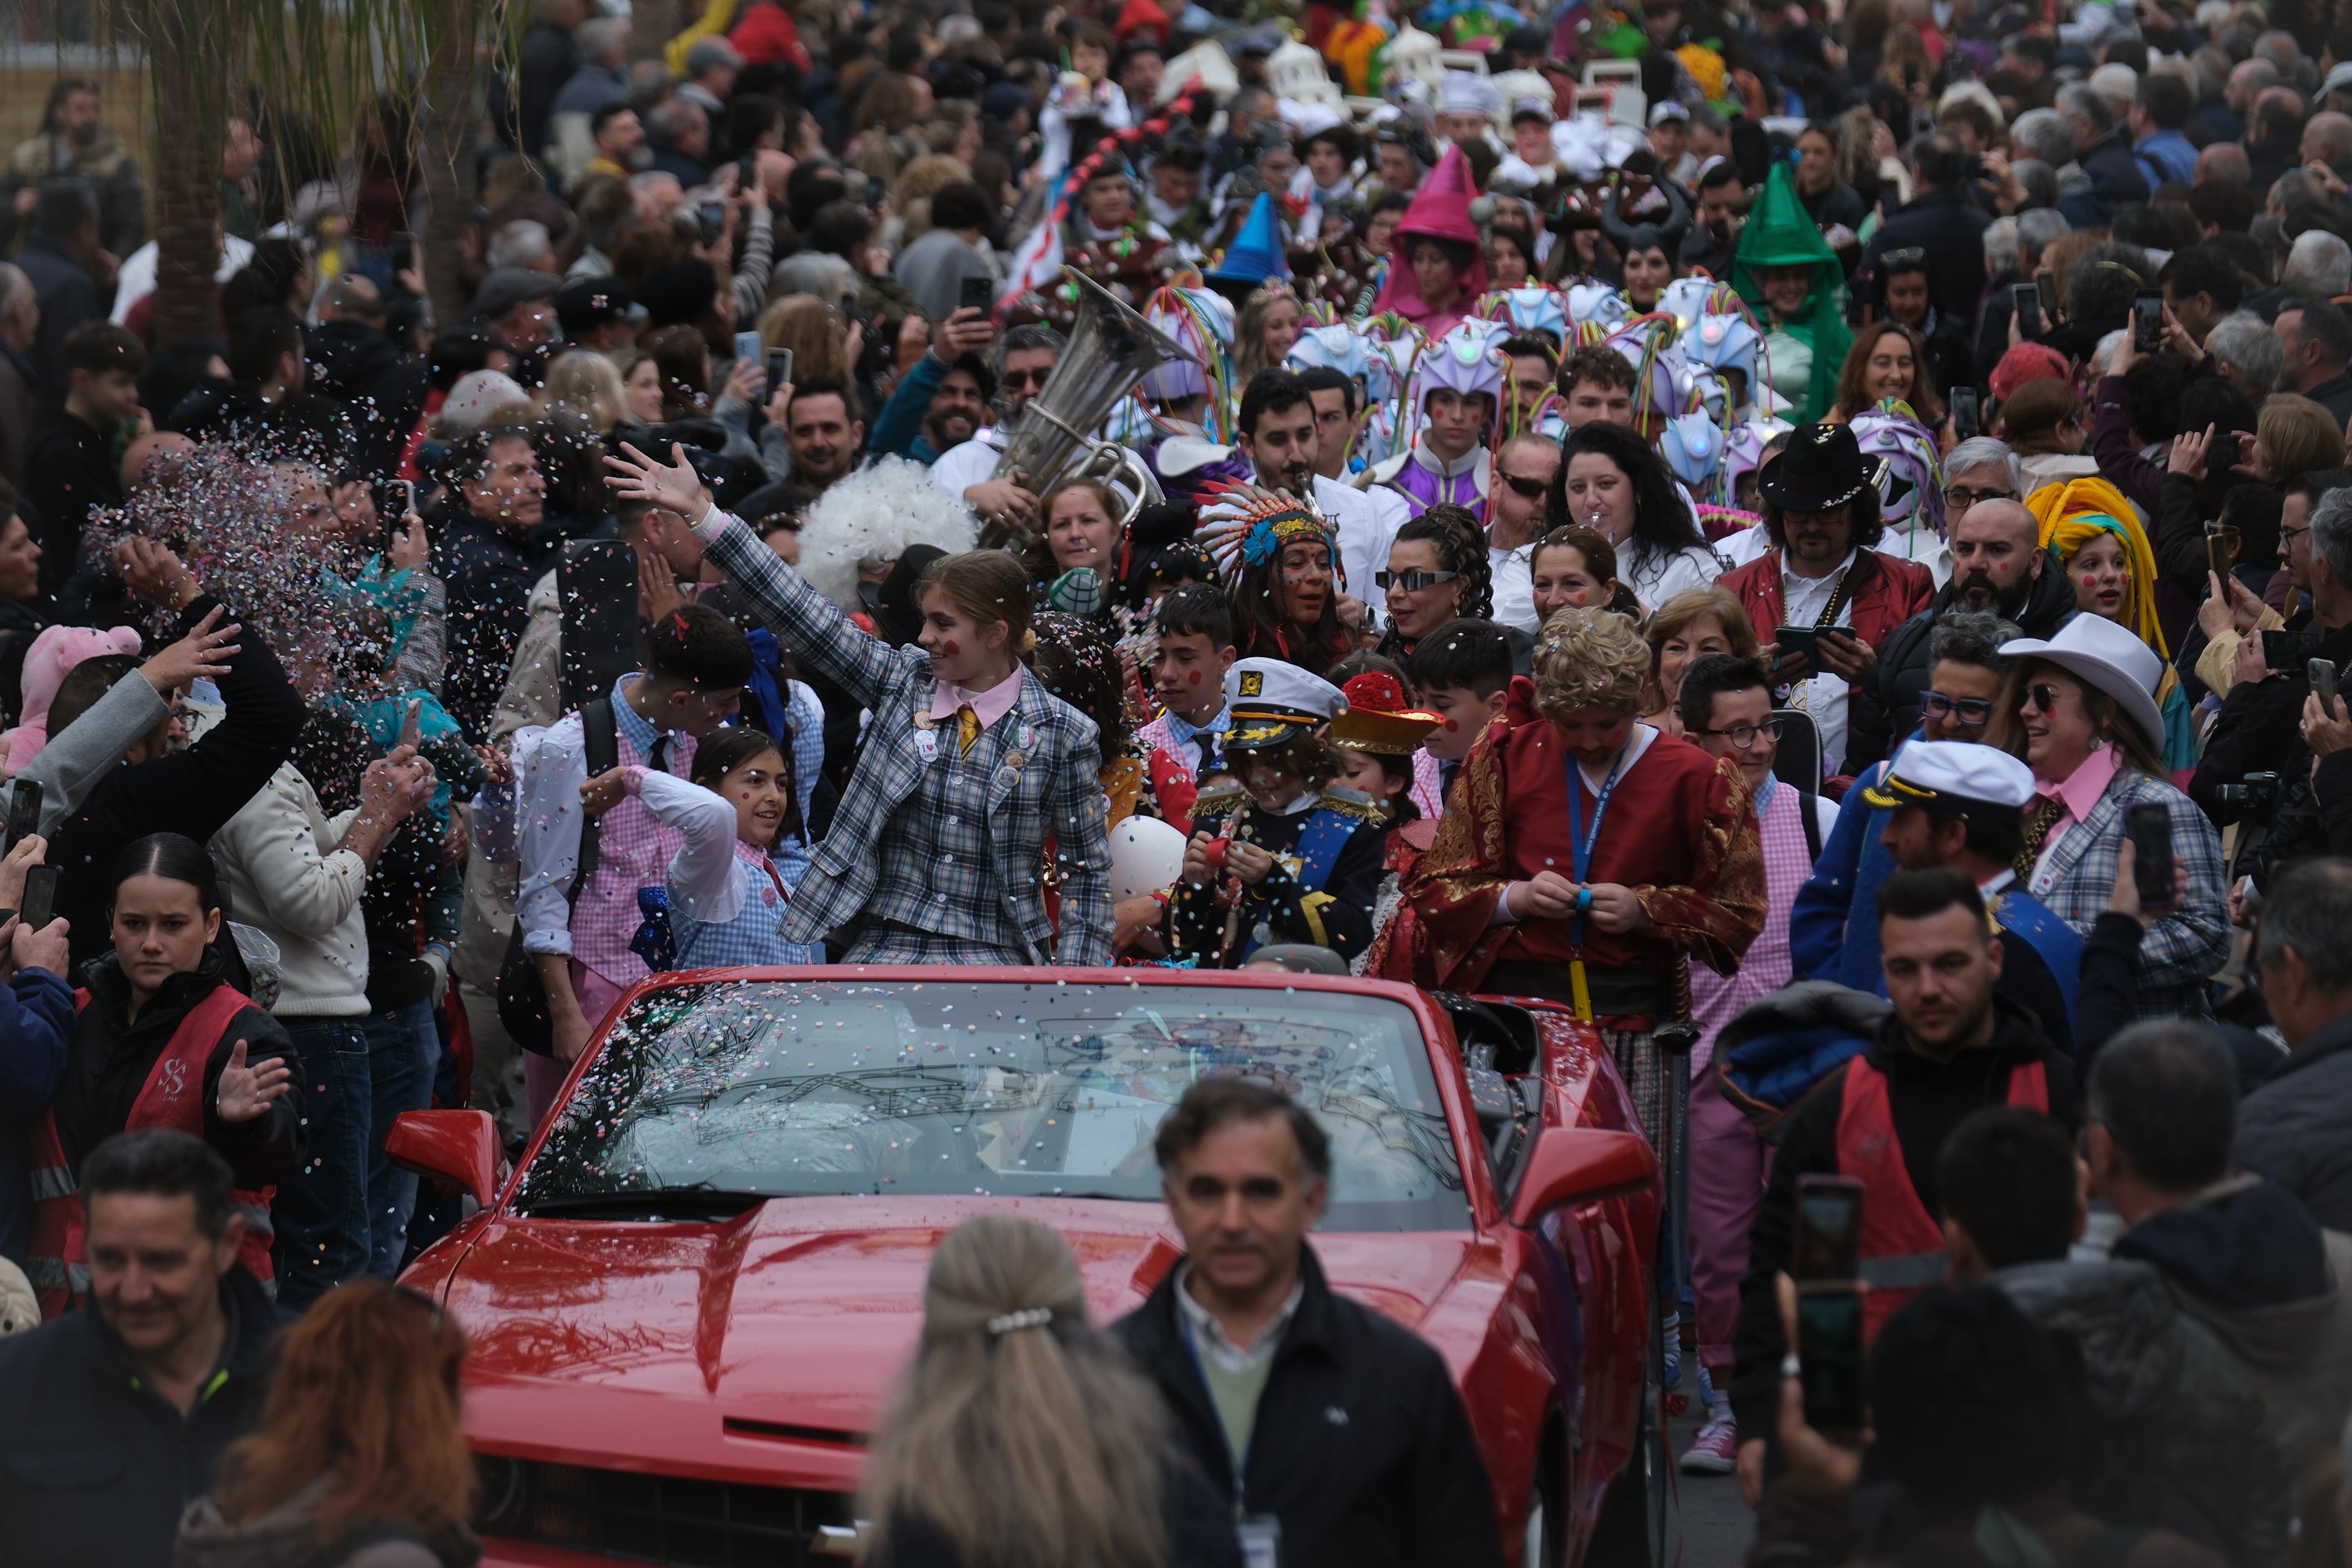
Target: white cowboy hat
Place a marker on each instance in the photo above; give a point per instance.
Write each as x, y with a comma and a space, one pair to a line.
2106, 656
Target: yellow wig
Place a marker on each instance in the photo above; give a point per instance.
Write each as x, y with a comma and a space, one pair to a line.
2072, 514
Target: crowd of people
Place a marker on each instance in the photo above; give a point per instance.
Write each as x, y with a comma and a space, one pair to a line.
1818, 538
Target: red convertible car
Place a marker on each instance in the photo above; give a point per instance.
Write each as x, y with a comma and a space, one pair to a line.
689, 1303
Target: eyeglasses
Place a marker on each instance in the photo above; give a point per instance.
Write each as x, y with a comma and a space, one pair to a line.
1531, 489
1959, 498
2287, 535
1974, 712
1743, 736
1412, 581
2045, 697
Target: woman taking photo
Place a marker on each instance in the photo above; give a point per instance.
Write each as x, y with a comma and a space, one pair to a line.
160, 1010
1020, 1435
1613, 483
931, 854
1887, 361
1438, 570
1597, 852
746, 847
2081, 709
359, 1462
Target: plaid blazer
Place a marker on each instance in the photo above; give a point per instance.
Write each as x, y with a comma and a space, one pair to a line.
1059, 792
2179, 950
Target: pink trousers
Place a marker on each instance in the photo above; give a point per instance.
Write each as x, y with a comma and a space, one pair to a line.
1729, 1166
542, 1077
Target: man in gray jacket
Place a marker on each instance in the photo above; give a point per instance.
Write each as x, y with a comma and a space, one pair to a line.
2177, 1438
2291, 1128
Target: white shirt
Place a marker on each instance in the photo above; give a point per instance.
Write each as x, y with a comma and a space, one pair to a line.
1514, 592
1656, 578
974, 463
1364, 535
1823, 696
136, 278
703, 885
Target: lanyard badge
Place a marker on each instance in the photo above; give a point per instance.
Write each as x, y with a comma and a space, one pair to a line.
1580, 841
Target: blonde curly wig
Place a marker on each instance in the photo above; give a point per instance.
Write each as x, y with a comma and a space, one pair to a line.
1590, 659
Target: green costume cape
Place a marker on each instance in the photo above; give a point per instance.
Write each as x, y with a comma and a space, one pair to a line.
1780, 233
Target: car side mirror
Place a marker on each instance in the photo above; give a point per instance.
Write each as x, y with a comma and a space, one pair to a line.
1581, 1165
455, 1148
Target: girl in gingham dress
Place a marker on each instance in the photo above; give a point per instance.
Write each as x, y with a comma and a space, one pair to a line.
745, 849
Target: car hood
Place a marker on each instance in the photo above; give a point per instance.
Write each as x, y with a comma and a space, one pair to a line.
799, 1314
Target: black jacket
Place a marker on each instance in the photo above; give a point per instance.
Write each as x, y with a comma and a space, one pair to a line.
110, 1057
193, 792
2114, 180
70, 469
1903, 665
1928, 1099
1950, 229
2292, 1129
95, 1469
2259, 730
2177, 1438
1362, 1448
356, 365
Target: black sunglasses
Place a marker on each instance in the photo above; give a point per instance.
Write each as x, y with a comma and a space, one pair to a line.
1412, 581
1531, 489
2042, 697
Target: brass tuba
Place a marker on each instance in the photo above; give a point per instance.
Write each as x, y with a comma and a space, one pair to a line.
1112, 348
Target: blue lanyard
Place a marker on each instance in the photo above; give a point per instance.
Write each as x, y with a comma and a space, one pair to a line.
1580, 840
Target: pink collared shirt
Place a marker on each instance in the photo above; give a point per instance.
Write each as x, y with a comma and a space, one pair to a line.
2079, 792
990, 705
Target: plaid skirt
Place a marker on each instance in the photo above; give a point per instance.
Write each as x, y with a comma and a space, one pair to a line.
887, 942
1641, 1065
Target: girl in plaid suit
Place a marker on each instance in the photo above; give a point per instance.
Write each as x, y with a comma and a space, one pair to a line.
936, 851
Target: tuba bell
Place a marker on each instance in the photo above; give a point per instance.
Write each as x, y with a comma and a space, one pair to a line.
1112, 348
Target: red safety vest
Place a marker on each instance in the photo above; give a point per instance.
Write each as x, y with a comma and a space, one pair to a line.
1901, 1245
172, 1096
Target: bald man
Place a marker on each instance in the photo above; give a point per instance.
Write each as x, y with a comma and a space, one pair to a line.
2328, 139
151, 456
2222, 163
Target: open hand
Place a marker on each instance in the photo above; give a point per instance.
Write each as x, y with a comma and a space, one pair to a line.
247, 1090
674, 485
202, 653
658, 590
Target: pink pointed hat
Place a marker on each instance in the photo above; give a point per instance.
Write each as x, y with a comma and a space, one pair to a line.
1440, 210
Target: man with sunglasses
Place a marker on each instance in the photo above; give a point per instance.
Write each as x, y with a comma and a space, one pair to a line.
1025, 359
1959, 803
1524, 470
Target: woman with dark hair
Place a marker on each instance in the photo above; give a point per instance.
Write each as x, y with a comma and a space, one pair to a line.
359, 1461
1436, 272
161, 1016
1905, 299
968, 765
1438, 570
746, 848
1574, 566
1612, 482
1647, 249
1285, 598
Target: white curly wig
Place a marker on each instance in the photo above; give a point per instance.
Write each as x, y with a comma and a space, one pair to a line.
877, 512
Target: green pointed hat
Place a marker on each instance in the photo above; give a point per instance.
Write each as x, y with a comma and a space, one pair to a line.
1780, 233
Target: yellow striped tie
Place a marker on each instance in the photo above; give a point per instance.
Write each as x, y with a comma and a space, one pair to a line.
967, 728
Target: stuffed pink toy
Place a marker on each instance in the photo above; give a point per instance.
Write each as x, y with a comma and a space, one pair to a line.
47, 663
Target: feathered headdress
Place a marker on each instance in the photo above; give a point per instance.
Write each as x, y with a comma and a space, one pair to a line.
875, 514
1243, 524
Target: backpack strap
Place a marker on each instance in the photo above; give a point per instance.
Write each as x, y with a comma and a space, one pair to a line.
601, 732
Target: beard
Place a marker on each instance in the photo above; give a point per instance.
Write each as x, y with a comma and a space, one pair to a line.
1978, 592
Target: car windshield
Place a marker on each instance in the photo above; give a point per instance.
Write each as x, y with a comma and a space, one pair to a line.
796, 1089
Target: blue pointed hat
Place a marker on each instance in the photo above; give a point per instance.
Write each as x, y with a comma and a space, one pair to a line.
1256, 254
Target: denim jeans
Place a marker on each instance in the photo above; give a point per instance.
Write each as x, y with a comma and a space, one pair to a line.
322, 1213
402, 1048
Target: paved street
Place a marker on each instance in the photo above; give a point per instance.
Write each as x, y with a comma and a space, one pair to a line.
1715, 1522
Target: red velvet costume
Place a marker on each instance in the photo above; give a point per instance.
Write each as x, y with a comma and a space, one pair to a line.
1679, 831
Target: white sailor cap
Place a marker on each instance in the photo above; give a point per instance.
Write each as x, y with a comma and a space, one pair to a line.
1926, 770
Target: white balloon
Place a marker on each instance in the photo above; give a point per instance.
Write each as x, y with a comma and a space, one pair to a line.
1146, 856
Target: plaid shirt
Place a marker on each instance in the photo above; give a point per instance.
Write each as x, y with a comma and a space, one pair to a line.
2182, 949
892, 850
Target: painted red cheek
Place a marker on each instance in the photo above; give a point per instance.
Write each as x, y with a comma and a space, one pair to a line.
1193, 677
950, 647
1451, 726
